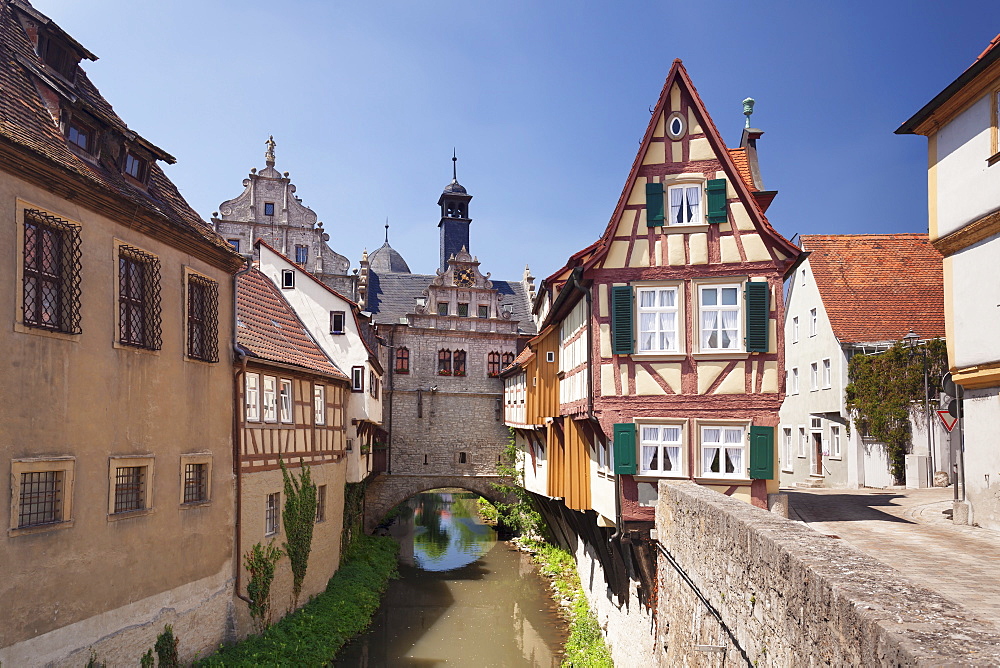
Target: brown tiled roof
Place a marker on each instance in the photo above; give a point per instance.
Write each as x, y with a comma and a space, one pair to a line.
268, 329
25, 121
739, 156
875, 287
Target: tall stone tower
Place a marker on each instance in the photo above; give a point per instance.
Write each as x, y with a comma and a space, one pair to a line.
454, 225
268, 209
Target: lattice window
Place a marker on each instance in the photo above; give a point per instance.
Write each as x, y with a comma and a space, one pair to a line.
138, 298
493, 365
203, 318
195, 483
130, 489
506, 359
41, 498
51, 277
402, 360
444, 362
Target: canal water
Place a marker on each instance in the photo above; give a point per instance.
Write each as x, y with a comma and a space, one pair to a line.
463, 599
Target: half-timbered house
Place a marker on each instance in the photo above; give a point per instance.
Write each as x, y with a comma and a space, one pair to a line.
293, 408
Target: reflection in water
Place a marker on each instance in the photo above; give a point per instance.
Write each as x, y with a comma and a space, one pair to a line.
463, 599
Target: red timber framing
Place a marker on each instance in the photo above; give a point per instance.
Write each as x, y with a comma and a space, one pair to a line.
727, 242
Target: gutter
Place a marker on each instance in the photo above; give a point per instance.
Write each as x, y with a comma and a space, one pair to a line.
241, 358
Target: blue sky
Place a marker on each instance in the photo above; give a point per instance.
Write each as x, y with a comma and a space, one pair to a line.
546, 103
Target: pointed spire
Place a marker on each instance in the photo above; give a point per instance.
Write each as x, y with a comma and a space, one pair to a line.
387, 230
454, 166
269, 155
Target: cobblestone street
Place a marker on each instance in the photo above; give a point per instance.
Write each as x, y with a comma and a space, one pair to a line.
911, 530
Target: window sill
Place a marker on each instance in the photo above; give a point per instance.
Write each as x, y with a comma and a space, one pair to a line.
660, 476
198, 360
41, 331
787, 470
651, 356
684, 228
722, 355
993, 159
835, 459
114, 517
195, 504
40, 528
723, 481
134, 348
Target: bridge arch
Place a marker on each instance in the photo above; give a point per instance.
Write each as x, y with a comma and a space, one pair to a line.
387, 491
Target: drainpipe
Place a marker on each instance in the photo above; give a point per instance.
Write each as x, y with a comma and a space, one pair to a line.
387, 418
241, 357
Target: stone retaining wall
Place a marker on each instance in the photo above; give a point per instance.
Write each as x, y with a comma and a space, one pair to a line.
791, 596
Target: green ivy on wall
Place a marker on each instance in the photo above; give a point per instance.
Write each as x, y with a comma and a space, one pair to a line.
886, 389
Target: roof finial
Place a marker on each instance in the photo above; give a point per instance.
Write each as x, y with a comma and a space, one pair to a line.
269, 156
387, 230
454, 166
748, 109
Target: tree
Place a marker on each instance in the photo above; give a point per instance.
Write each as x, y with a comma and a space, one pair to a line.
886, 389
299, 519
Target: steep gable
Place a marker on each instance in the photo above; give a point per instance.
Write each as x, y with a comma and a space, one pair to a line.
715, 220
875, 287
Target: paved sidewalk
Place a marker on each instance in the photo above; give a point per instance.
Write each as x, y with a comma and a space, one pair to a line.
911, 530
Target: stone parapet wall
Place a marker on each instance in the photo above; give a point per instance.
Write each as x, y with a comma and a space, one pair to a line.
790, 596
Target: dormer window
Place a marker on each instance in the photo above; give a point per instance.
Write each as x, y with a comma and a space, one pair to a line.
57, 56
135, 167
80, 135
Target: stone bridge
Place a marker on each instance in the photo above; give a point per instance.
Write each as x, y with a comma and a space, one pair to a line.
387, 491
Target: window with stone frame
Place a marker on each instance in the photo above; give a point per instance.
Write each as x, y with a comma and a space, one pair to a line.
301, 254
505, 359
138, 298
458, 363
493, 365
484, 311
51, 273
444, 363
41, 494
131, 487
402, 360
463, 310
203, 318
195, 483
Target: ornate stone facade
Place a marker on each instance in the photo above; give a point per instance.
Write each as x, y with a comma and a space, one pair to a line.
268, 209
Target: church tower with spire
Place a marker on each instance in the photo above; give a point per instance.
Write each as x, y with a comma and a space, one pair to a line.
454, 225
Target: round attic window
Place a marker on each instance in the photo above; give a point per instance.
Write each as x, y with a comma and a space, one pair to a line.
676, 125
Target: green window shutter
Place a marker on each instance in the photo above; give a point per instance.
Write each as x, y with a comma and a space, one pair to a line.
761, 453
625, 460
758, 306
621, 320
716, 201
654, 204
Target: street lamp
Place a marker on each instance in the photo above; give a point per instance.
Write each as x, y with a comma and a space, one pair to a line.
911, 341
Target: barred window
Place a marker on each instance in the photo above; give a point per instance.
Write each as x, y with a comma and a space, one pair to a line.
402, 360
272, 514
459, 363
51, 277
493, 365
195, 483
138, 298
203, 318
41, 498
130, 489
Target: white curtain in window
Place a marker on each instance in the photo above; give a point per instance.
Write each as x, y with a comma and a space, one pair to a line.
667, 298
647, 331
693, 200
734, 455
648, 455
709, 325
729, 327
647, 298
676, 208
668, 331
672, 460
708, 458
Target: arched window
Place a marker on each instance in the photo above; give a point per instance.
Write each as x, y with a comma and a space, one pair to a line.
507, 359
444, 362
402, 360
493, 365
459, 356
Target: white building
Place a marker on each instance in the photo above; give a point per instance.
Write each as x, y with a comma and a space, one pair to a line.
853, 294
963, 182
343, 332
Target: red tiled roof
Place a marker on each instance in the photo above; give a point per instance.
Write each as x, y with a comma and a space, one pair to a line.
268, 329
26, 122
993, 44
875, 287
739, 156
